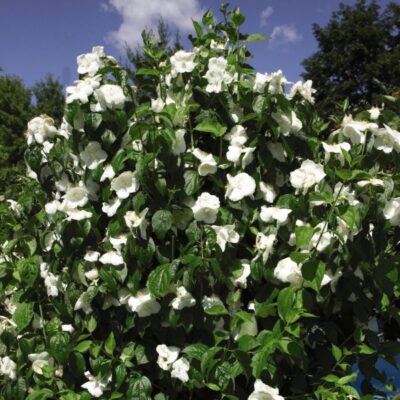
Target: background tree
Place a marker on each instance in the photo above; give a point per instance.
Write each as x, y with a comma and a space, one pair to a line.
49, 96
142, 57
15, 112
359, 45
16, 109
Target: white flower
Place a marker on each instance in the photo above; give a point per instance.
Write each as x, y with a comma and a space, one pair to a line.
92, 274
336, 149
226, 234
180, 369
143, 303
276, 82
321, 239
288, 123
237, 136
134, 220
308, 175
182, 61
95, 385
8, 368
75, 197
240, 186
260, 81
217, 46
374, 113
93, 155
111, 208
167, 355
41, 360
108, 173
233, 154
217, 75
345, 194
80, 92
67, 328
355, 130
52, 207
288, 271
248, 156
51, 281
118, 241
212, 301
83, 303
264, 392
157, 105
268, 192
265, 245
111, 257
241, 281
183, 299
208, 165
304, 89
40, 129
125, 184
372, 181
280, 215
179, 143
109, 96
387, 139
206, 208
392, 211
88, 63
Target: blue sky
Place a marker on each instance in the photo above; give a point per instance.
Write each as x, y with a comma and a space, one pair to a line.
45, 36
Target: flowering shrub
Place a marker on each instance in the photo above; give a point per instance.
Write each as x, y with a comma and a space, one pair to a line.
219, 241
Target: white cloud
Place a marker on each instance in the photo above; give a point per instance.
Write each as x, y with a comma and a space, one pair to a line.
285, 34
265, 14
144, 14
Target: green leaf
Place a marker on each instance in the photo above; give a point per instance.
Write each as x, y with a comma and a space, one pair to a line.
216, 310
285, 302
147, 71
161, 223
120, 374
197, 28
313, 271
41, 394
211, 126
192, 182
59, 347
139, 388
255, 37
83, 346
159, 280
29, 270
208, 18
23, 315
303, 235
109, 345
195, 350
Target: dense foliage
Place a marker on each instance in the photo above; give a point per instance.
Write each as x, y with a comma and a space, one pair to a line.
218, 241
358, 51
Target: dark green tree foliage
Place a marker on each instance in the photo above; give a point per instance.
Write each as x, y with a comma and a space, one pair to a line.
358, 47
49, 98
15, 111
142, 57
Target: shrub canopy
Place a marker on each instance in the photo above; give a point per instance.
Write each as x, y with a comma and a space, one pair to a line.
220, 241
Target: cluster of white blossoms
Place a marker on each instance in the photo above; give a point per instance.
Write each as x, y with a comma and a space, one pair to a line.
218, 75
168, 361
8, 368
237, 152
